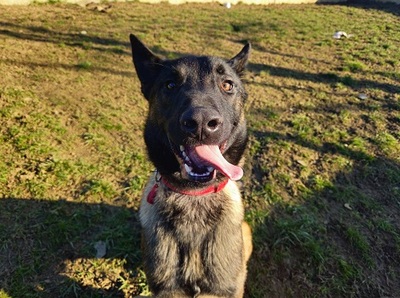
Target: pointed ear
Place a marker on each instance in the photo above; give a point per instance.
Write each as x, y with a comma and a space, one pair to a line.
146, 63
239, 62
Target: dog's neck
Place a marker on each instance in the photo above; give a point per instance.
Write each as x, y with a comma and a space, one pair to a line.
191, 192
196, 192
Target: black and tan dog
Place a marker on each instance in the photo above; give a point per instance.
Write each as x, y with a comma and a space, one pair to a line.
195, 242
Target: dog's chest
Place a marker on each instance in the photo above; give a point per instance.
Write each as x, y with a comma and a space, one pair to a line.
193, 241
192, 218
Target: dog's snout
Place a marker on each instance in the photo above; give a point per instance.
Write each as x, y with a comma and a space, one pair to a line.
201, 123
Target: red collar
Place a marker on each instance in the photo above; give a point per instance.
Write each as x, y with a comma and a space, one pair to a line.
211, 189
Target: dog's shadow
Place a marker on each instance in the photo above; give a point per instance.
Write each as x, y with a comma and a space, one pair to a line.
67, 249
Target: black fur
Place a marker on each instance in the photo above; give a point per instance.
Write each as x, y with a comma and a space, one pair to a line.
197, 85
193, 245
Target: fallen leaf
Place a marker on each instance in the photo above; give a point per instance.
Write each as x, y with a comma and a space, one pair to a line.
101, 249
362, 96
347, 206
301, 162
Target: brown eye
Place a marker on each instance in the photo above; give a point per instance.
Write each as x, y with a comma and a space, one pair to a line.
227, 86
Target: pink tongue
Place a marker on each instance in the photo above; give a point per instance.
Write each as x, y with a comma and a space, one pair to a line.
213, 156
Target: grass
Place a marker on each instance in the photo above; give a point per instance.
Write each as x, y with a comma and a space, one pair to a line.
322, 183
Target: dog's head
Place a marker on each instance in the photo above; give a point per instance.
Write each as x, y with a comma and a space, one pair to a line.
195, 129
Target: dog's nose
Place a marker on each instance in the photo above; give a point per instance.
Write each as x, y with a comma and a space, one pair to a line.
201, 123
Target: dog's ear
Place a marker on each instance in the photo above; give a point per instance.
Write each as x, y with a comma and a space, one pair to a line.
239, 62
146, 63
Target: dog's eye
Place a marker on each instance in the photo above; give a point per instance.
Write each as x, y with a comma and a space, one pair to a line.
170, 85
227, 86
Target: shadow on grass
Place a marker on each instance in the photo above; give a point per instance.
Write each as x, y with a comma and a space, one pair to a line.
337, 237
76, 39
327, 78
40, 239
388, 7
92, 42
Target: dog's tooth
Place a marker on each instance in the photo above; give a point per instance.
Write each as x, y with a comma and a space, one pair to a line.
182, 148
188, 169
210, 169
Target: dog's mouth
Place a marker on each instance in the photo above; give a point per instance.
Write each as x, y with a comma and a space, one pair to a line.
200, 163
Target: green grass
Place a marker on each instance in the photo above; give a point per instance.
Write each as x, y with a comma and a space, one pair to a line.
322, 172
359, 242
354, 66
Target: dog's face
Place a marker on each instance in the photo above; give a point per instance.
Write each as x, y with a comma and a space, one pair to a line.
195, 128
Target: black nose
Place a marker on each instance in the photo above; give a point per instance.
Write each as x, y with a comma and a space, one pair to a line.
201, 123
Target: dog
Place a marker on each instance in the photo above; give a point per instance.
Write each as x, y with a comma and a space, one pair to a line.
195, 242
